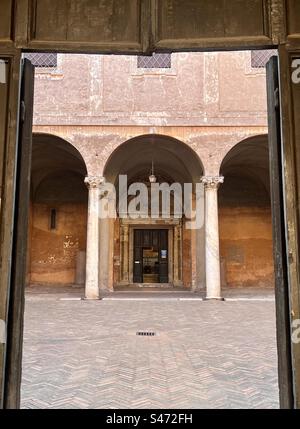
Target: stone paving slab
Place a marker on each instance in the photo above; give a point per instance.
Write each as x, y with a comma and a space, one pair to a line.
86, 354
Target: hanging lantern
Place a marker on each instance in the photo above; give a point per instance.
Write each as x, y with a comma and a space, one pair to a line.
152, 177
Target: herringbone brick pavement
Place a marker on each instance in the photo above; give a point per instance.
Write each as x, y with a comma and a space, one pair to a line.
85, 354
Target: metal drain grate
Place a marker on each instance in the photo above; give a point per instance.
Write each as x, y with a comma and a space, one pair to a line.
146, 334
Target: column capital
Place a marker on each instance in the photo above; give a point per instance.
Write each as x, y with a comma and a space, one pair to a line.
94, 182
212, 182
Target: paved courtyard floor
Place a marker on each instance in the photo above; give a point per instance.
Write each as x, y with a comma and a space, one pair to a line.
86, 354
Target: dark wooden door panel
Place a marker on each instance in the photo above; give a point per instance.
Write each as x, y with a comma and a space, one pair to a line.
192, 23
137, 25
3, 113
147, 238
118, 25
5, 20
163, 239
293, 18
18, 271
155, 238
279, 237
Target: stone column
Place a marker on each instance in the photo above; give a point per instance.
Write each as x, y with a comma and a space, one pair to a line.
104, 251
125, 254
107, 215
92, 245
212, 240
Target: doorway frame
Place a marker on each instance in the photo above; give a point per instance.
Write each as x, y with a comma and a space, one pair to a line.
289, 48
169, 225
290, 215
132, 252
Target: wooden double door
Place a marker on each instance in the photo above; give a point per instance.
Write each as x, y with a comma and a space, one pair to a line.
151, 256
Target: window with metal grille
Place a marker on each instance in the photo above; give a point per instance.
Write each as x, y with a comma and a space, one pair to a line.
156, 61
42, 60
259, 59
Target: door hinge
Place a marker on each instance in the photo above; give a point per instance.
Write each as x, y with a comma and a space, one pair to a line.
22, 111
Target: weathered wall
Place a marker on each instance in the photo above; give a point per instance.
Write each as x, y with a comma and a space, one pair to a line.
200, 89
53, 252
211, 101
246, 246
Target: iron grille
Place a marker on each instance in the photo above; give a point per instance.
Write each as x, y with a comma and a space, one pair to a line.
42, 60
259, 59
146, 334
156, 61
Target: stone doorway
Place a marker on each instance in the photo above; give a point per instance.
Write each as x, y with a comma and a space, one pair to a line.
139, 242
150, 256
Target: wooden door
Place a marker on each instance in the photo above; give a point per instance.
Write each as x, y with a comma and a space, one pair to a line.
279, 236
18, 272
145, 242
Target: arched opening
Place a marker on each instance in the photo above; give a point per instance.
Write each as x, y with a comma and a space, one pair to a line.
154, 251
245, 215
58, 213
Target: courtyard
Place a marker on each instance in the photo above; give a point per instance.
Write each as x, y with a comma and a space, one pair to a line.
205, 354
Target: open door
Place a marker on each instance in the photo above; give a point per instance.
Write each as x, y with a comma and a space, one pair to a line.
4, 108
279, 237
12, 379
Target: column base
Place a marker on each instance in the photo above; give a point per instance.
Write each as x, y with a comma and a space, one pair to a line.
213, 299
91, 299
91, 294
